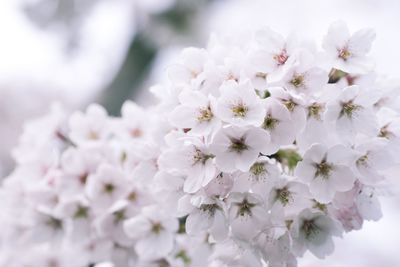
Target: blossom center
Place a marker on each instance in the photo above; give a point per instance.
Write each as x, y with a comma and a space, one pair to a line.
132, 196
119, 216
314, 111
109, 188
92, 135
281, 58
238, 145
324, 170
270, 123
363, 160
284, 195
54, 223
344, 53
232, 77
81, 212
194, 73
184, 257
200, 157
319, 206
136, 133
297, 81
290, 104
83, 178
258, 169
205, 114
384, 132
156, 228
244, 207
239, 110
261, 75
348, 109
209, 208
310, 229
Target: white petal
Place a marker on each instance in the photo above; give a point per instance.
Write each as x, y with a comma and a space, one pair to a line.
155, 246
316, 153
246, 159
322, 190
194, 58
361, 41
337, 37
193, 183
193, 99
243, 227
369, 175
226, 162
350, 93
340, 154
170, 224
209, 172
365, 121
263, 61
179, 74
270, 40
278, 110
183, 117
305, 171
219, 229
197, 222
316, 78
342, 178
369, 206
322, 249
258, 139
136, 227
184, 205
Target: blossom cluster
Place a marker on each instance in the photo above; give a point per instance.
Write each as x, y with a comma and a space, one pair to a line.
84, 192
282, 144
261, 148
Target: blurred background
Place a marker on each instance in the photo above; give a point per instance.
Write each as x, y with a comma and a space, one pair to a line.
106, 51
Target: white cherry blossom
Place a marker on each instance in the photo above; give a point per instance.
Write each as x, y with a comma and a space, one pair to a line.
327, 171
107, 185
207, 215
275, 51
239, 105
247, 214
153, 230
196, 113
349, 51
304, 77
91, 126
278, 123
190, 68
239, 148
193, 160
352, 112
314, 231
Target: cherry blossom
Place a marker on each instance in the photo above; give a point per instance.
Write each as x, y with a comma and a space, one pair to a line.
327, 171
314, 231
348, 52
154, 232
239, 105
239, 148
259, 149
